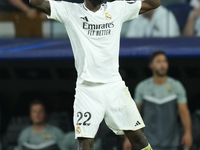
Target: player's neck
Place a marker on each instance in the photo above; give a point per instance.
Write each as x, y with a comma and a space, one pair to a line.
37, 128
91, 7
159, 80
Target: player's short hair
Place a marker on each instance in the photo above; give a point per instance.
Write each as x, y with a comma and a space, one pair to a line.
38, 101
156, 53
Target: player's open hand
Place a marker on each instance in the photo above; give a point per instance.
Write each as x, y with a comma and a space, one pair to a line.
187, 140
127, 145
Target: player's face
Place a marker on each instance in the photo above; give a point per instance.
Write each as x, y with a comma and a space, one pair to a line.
159, 65
37, 114
96, 2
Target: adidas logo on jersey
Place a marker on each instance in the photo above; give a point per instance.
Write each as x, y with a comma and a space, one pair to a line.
137, 123
85, 18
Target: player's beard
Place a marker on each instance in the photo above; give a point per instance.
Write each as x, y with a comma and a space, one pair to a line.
96, 2
158, 73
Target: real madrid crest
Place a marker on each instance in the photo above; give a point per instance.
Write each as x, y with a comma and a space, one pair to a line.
108, 16
78, 130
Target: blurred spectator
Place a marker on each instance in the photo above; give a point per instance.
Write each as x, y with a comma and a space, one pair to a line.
156, 23
40, 135
160, 99
70, 143
30, 12
192, 27
168, 2
195, 3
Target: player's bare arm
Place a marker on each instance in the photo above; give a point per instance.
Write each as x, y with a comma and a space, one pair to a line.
42, 5
149, 5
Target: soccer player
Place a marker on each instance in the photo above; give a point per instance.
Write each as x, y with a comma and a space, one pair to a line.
94, 31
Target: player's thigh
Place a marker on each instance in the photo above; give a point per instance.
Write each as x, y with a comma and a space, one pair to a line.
123, 113
88, 112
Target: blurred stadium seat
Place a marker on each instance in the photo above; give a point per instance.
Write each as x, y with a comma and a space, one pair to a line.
8, 30
24, 27
16, 125
46, 29
181, 12
61, 120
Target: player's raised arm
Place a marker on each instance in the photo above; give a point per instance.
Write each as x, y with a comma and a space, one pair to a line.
42, 5
149, 5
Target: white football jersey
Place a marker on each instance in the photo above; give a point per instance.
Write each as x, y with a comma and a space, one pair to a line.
95, 36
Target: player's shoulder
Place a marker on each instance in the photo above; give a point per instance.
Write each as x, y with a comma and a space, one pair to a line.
115, 3
54, 128
145, 83
69, 5
174, 81
26, 130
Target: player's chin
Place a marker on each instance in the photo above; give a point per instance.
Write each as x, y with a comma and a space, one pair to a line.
96, 2
162, 74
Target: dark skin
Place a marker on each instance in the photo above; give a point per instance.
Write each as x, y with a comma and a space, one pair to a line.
44, 6
137, 138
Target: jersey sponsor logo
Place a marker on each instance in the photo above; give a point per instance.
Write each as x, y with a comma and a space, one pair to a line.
108, 16
97, 26
78, 130
98, 29
137, 123
85, 18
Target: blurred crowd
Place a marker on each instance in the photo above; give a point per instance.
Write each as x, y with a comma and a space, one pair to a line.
41, 124
174, 18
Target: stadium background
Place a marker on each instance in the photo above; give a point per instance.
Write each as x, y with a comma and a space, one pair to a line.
36, 61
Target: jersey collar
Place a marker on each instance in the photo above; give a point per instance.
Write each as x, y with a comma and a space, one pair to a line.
92, 11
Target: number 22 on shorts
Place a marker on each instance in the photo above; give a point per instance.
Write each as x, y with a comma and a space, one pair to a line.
87, 116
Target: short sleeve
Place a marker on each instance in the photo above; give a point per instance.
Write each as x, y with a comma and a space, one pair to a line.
181, 93
59, 10
130, 10
138, 94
